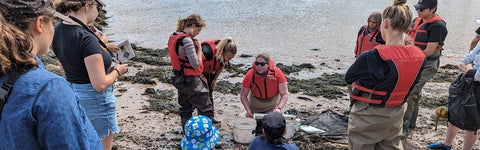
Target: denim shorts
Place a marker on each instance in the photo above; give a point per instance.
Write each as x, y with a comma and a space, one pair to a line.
100, 108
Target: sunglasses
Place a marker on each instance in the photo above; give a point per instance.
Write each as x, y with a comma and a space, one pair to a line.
420, 9
260, 63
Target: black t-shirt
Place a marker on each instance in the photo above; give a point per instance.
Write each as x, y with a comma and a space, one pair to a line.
478, 31
72, 44
437, 32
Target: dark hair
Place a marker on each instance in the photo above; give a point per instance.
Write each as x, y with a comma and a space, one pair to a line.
71, 5
399, 14
193, 19
377, 16
16, 41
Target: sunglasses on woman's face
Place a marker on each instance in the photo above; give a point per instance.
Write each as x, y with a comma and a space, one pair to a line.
260, 63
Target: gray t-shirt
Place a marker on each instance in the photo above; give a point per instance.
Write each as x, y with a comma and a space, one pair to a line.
187, 49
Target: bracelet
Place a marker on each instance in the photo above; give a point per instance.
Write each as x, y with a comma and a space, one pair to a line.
279, 108
117, 71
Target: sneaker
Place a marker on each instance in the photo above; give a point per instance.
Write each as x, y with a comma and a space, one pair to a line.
439, 145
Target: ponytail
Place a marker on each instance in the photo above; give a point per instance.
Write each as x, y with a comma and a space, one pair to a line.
226, 46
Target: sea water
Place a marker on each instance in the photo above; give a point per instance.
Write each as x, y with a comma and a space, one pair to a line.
318, 32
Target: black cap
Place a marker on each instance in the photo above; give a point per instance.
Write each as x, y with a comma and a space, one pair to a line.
423, 4
274, 124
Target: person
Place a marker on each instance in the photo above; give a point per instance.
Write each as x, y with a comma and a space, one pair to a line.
89, 69
428, 32
199, 134
381, 80
186, 55
469, 65
38, 109
369, 35
475, 39
274, 127
217, 54
264, 89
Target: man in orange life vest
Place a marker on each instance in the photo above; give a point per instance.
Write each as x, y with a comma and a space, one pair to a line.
369, 35
264, 89
428, 31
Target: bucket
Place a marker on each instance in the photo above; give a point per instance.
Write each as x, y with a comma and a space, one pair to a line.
242, 130
290, 127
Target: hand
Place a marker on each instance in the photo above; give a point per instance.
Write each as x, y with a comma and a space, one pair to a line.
214, 83
122, 68
464, 68
249, 114
112, 47
277, 110
102, 37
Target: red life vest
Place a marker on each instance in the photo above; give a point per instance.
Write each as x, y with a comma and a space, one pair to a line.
366, 41
405, 63
265, 88
418, 32
210, 63
177, 61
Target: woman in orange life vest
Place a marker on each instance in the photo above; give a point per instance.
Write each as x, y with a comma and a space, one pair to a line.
382, 79
369, 35
186, 56
217, 53
264, 89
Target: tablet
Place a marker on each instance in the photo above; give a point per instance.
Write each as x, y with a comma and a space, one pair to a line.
125, 53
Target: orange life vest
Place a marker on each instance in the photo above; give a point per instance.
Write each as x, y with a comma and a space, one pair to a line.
210, 63
405, 64
418, 32
366, 41
181, 63
265, 88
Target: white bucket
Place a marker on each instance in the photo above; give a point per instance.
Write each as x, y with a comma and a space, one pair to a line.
242, 130
290, 127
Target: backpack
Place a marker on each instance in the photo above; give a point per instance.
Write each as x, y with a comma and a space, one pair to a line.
462, 103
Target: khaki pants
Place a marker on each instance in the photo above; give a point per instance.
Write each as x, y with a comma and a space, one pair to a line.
262, 106
429, 70
371, 127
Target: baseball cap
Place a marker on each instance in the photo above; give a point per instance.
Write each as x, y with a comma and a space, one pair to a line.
274, 124
199, 134
28, 8
423, 4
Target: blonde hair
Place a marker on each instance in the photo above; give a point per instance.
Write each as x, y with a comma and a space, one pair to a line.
193, 19
226, 46
399, 15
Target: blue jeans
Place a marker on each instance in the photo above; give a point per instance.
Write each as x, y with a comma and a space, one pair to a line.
100, 108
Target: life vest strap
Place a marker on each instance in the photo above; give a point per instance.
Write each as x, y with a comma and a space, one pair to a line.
366, 99
364, 89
